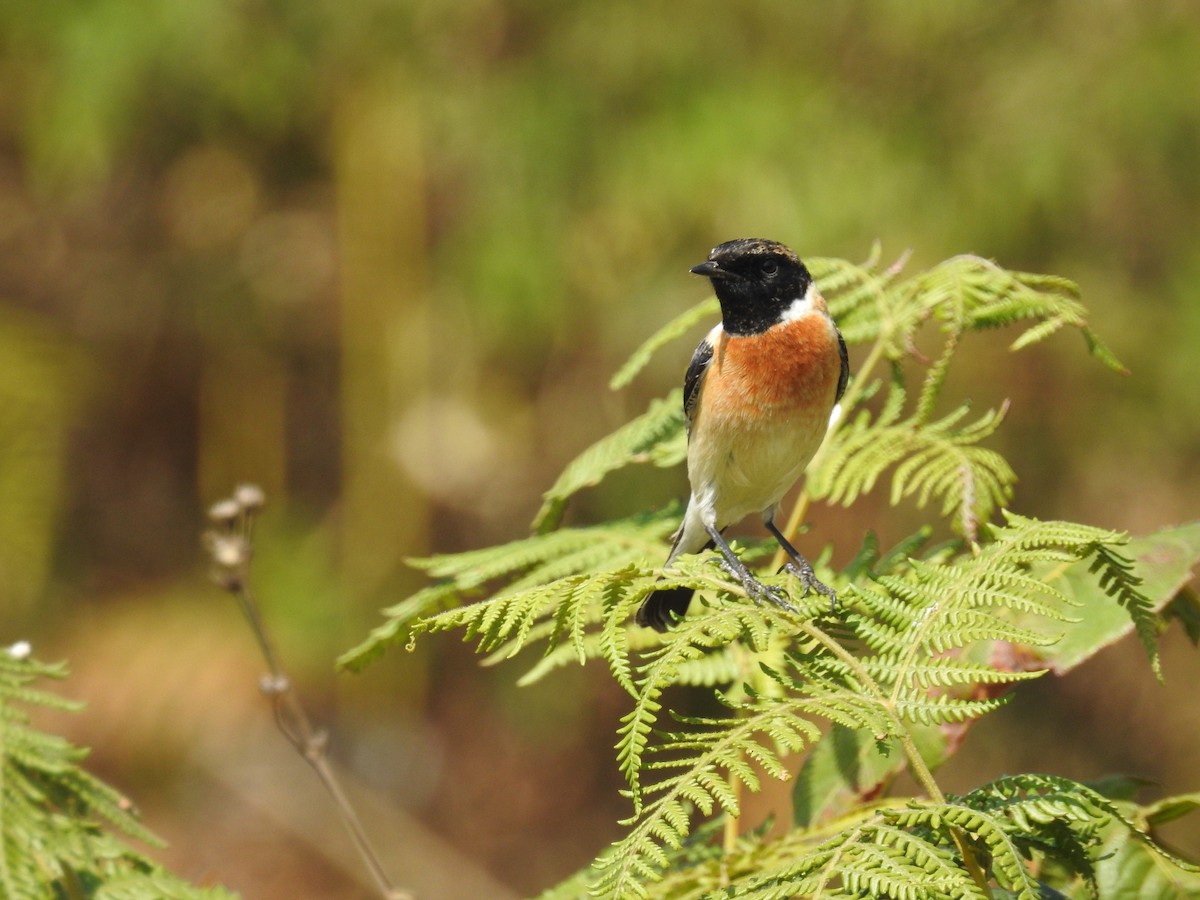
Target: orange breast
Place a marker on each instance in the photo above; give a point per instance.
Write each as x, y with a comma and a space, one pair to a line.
790, 369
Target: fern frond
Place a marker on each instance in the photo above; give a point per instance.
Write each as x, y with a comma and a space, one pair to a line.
572, 603
1114, 571
673, 330
924, 640
516, 568
910, 619
158, 886
912, 850
874, 858
1006, 861
1118, 581
705, 633
713, 759
949, 672
613, 643
61, 826
396, 628
934, 461
694, 638
627, 540
914, 623
969, 292
858, 296
662, 425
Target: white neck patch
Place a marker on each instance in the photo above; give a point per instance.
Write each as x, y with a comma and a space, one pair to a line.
799, 307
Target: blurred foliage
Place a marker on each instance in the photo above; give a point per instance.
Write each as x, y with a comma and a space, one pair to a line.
63, 830
381, 259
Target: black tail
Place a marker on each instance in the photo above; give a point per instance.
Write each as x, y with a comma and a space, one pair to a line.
664, 608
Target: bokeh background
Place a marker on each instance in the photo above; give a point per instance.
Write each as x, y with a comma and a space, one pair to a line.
381, 258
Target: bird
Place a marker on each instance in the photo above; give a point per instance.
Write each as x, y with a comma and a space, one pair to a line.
757, 398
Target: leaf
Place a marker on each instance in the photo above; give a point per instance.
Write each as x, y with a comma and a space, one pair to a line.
1163, 560
634, 442
912, 655
62, 827
1131, 864
850, 767
520, 567
396, 628
934, 462
1186, 608
674, 329
1170, 809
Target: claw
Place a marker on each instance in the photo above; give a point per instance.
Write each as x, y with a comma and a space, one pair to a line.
758, 592
755, 589
808, 580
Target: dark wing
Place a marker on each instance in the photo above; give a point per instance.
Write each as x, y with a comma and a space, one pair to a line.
844, 375
694, 378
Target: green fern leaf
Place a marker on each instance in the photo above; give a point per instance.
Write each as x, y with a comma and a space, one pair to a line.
700, 635
1117, 579
910, 651
934, 461
62, 827
633, 442
712, 759
673, 330
858, 296
396, 628
872, 858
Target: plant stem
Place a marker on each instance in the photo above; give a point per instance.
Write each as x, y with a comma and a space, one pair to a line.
312, 745
916, 763
231, 546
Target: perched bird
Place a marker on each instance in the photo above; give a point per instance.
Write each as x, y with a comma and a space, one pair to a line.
758, 396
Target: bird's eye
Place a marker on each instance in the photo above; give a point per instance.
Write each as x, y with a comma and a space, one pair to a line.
769, 268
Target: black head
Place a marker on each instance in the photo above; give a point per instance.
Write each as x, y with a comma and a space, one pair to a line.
755, 280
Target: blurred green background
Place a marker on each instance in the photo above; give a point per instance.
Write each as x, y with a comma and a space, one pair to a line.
381, 258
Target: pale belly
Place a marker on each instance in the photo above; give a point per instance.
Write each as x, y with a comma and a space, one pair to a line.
752, 468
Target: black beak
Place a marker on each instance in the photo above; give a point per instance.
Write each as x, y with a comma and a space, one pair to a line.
709, 269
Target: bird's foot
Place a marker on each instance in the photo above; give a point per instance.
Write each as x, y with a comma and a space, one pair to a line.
808, 581
755, 589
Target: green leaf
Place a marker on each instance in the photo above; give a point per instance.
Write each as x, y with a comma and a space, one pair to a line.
1132, 864
850, 767
909, 658
396, 628
1163, 560
937, 461
674, 329
635, 442
1170, 809
62, 828
159, 886
1186, 608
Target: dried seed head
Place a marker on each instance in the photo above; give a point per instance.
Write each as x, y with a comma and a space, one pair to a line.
225, 512
230, 551
250, 497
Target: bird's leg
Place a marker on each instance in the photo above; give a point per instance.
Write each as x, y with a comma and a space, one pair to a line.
801, 568
756, 590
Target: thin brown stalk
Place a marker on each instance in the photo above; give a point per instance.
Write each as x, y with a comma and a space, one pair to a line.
230, 544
